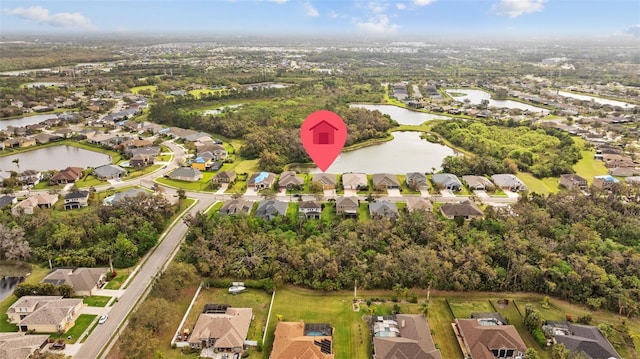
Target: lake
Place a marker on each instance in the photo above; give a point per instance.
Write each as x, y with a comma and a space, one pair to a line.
53, 158
10, 276
602, 101
407, 152
24, 121
476, 96
401, 115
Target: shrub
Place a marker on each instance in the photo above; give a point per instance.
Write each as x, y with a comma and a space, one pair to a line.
569, 318
585, 319
538, 335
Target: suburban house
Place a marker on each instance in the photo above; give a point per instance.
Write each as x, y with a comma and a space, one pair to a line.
44, 314
402, 336
478, 183
509, 182
122, 196
573, 181
185, 174
84, 281
7, 201
382, 209
586, 340
606, 182
142, 160
108, 172
465, 209
271, 208
222, 328
42, 200
624, 171
416, 180
212, 150
149, 151
328, 181
20, 345
200, 163
347, 206
198, 137
236, 206
488, 338
261, 180
419, 204
289, 180
446, 181
633, 180
67, 175
76, 199
617, 160
310, 209
300, 340
385, 180
353, 180
29, 177
224, 177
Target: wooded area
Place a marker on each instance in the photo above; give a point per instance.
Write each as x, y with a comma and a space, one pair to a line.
576, 247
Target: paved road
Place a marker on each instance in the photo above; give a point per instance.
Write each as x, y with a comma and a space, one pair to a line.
162, 255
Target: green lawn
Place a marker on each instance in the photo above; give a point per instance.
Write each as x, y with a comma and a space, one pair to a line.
588, 167
540, 186
351, 335
462, 308
89, 181
363, 211
201, 185
137, 89
245, 166
81, 324
96, 300
116, 282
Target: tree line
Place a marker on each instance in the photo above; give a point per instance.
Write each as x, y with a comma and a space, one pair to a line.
580, 248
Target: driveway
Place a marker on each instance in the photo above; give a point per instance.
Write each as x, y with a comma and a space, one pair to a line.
393, 192
251, 191
511, 194
447, 193
350, 192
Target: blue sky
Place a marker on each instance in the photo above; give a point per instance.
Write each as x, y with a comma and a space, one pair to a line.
345, 18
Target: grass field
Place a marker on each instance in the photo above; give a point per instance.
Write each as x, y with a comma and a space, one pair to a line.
96, 301
116, 282
350, 337
201, 185
588, 167
199, 92
463, 308
540, 186
137, 89
81, 324
245, 166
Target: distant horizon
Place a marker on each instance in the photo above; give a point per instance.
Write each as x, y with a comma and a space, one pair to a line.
345, 19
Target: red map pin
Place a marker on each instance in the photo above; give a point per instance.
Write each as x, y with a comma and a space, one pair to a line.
323, 134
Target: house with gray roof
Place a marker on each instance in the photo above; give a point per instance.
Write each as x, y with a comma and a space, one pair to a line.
261, 180
573, 181
108, 172
347, 206
186, 174
122, 196
236, 206
84, 281
43, 314
310, 209
446, 181
581, 339
76, 199
271, 208
403, 336
354, 180
419, 204
20, 345
382, 209
289, 180
7, 201
509, 182
416, 180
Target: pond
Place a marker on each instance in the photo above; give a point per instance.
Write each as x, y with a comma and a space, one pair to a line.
476, 96
407, 152
602, 101
401, 115
219, 110
53, 158
10, 276
24, 121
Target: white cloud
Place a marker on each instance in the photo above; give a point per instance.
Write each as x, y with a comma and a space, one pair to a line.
377, 7
515, 8
336, 15
633, 30
401, 6
278, 1
423, 2
62, 19
378, 24
310, 10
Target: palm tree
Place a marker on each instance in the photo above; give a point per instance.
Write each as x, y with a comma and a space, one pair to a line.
17, 162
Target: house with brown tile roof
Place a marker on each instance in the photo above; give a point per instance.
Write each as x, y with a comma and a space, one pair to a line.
42, 200
347, 206
292, 341
224, 177
223, 331
44, 314
419, 203
488, 338
84, 281
465, 209
406, 336
385, 180
67, 175
289, 180
20, 345
328, 180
